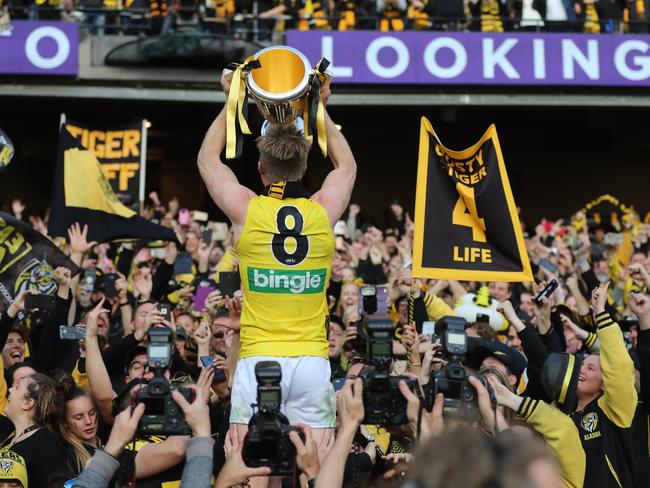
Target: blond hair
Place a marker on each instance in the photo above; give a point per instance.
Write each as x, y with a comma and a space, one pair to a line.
283, 152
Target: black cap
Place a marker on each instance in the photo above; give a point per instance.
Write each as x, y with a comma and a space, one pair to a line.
133, 352
566, 311
479, 349
560, 376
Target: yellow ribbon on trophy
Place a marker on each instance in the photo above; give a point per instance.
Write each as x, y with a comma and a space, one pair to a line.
314, 114
238, 107
312, 108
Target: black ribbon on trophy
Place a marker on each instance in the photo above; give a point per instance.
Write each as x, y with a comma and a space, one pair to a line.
284, 88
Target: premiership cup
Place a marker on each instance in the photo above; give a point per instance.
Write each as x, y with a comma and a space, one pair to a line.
280, 86
284, 87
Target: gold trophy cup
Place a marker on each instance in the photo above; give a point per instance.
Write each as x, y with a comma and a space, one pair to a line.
284, 87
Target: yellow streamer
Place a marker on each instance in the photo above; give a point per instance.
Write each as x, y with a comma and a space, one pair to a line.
236, 101
320, 125
231, 114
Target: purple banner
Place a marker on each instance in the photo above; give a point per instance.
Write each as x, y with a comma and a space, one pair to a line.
39, 48
479, 59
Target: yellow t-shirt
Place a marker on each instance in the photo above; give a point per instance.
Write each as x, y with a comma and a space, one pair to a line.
285, 257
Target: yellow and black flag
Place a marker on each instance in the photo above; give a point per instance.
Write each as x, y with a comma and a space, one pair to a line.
82, 194
27, 260
466, 224
6, 150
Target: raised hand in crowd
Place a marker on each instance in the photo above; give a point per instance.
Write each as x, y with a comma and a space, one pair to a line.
18, 305
197, 413
122, 288
38, 224
234, 307
411, 342
124, 429
543, 312
430, 363
640, 306
202, 336
432, 423
307, 456
171, 253
79, 244
350, 411
185, 293
509, 313
638, 272
142, 284
235, 471
492, 418
399, 462
213, 301
221, 388
62, 276
92, 319
599, 298
203, 254
155, 317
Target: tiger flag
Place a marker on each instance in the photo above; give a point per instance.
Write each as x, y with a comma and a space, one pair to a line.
466, 223
27, 260
82, 194
6, 150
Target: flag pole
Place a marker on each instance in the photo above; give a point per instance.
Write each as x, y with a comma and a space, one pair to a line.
143, 163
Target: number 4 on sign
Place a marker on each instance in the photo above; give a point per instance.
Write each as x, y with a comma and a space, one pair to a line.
465, 213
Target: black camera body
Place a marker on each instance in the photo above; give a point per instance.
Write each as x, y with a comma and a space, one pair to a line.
267, 442
162, 415
383, 403
461, 398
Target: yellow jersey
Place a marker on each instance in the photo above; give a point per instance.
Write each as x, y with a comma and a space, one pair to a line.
285, 256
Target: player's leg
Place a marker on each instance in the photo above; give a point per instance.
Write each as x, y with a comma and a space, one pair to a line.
244, 394
311, 399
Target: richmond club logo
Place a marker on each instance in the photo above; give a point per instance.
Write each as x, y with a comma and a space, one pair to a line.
6, 465
590, 422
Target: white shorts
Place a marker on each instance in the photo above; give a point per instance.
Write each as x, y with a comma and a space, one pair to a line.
307, 394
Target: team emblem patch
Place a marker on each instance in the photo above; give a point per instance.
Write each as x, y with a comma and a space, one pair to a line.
590, 422
6, 465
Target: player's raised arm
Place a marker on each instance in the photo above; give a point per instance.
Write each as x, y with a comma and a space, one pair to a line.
222, 184
335, 193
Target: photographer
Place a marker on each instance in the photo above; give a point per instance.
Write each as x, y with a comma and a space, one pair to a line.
153, 457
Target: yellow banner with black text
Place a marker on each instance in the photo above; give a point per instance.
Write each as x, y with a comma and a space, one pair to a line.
121, 152
466, 222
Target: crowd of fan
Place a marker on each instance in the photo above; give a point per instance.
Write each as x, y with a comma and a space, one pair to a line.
67, 403
266, 16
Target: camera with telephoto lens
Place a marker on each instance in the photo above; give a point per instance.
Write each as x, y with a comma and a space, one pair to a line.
162, 415
383, 403
461, 398
267, 442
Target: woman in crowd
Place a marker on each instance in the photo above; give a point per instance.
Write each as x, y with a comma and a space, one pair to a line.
77, 425
28, 428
